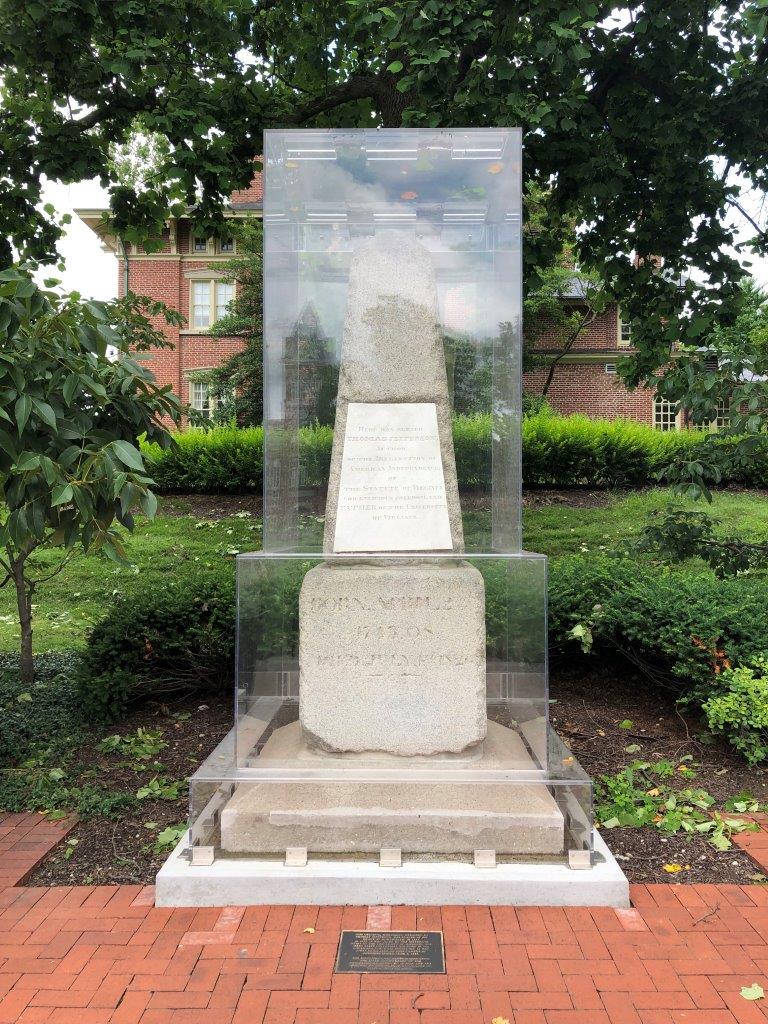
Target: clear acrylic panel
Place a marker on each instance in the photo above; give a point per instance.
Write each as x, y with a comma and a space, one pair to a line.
392, 635
454, 192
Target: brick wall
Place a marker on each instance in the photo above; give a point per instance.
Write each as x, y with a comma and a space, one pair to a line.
600, 336
248, 196
586, 388
582, 387
165, 279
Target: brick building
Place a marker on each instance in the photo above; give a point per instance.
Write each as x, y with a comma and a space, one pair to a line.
186, 274
586, 379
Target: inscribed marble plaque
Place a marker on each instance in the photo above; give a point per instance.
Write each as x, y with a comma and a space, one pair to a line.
392, 487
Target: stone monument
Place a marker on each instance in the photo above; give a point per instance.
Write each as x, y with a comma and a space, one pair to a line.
391, 740
392, 658
392, 654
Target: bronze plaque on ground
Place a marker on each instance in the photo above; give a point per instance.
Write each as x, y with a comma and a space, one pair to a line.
391, 953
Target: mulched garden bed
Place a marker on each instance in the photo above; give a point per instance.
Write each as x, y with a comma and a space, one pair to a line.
111, 851
588, 707
220, 506
587, 711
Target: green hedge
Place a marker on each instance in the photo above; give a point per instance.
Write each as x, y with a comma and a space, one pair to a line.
681, 628
558, 451
180, 637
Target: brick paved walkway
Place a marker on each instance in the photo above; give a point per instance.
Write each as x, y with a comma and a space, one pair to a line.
88, 955
25, 839
755, 844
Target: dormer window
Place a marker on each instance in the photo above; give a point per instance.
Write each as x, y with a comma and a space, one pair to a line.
200, 243
227, 245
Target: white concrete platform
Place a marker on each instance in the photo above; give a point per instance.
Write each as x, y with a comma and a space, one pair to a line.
245, 881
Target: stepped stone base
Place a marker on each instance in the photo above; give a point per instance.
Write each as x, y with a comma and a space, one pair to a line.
418, 817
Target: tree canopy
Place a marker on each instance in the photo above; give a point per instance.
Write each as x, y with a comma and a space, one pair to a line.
636, 117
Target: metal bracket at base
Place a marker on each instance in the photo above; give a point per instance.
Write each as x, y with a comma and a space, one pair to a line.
579, 860
202, 856
485, 858
296, 857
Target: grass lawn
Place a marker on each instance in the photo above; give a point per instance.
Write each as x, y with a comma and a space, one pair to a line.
81, 594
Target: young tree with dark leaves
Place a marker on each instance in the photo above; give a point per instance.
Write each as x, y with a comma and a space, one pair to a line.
237, 385
73, 404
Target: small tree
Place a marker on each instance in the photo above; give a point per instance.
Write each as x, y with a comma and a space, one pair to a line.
561, 304
71, 413
237, 385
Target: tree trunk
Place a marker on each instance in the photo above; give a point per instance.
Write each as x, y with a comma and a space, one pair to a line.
390, 101
24, 602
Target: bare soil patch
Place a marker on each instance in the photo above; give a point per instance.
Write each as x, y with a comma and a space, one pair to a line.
588, 707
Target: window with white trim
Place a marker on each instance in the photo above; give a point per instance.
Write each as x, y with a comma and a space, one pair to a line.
625, 333
227, 245
200, 397
723, 416
199, 243
201, 303
664, 414
209, 299
225, 292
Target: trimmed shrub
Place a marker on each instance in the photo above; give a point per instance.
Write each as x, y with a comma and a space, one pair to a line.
44, 719
558, 451
226, 460
177, 638
681, 629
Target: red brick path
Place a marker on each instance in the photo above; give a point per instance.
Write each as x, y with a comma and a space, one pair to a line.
87, 955
755, 844
25, 839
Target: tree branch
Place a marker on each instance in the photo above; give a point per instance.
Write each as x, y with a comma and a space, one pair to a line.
585, 321
762, 232
359, 87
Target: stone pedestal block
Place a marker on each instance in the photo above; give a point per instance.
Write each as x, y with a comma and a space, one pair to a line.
392, 658
418, 817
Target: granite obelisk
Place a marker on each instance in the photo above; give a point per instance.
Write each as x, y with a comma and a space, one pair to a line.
392, 654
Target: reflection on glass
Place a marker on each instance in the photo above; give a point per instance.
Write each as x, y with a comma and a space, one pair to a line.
455, 192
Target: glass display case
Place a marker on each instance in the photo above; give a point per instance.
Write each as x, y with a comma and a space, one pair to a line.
391, 685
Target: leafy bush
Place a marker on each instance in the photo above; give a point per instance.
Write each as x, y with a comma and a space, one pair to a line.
223, 460
739, 709
46, 715
176, 638
683, 630
536, 405
41, 728
570, 451
558, 451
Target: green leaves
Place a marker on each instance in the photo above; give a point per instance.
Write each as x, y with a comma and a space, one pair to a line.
62, 494
752, 992
22, 410
128, 455
637, 797
74, 417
